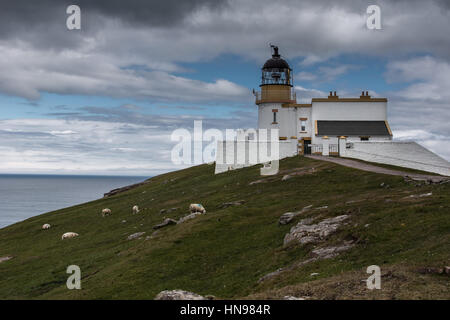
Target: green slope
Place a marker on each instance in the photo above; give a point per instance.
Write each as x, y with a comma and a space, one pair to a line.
226, 251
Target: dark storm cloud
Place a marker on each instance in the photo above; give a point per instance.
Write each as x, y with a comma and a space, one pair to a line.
25, 14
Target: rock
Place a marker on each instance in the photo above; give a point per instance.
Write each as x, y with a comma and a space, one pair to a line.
419, 195
3, 259
304, 232
257, 181
286, 177
289, 216
178, 295
331, 252
189, 217
314, 274
321, 208
46, 226
230, 204
292, 298
447, 270
165, 223
124, 221
135, 235
162, 211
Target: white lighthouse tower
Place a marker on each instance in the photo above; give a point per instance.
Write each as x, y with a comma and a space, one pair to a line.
276, 90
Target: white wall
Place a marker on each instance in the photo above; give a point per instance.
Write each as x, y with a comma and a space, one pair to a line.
399, 153
239, 153
334, 110
304, 112
286, 119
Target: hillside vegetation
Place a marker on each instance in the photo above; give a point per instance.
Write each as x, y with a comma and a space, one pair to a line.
225, 251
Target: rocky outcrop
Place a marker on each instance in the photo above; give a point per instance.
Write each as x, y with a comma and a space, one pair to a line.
165, 223
135, 235
123, 189
305, 232
178, 295
331, 252
188, 217
289, 216
413, 196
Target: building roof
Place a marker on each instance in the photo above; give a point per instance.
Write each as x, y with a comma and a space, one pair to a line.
276, 62
352, 128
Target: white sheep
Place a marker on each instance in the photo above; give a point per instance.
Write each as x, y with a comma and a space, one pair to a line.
196, 207
135, 209
106, 212
68, 235
46, 226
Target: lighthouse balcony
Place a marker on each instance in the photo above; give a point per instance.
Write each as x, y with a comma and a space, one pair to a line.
279, 96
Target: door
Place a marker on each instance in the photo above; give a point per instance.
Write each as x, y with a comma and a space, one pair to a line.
306, 146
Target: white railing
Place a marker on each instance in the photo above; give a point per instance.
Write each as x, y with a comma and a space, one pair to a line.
333, 148
316, 148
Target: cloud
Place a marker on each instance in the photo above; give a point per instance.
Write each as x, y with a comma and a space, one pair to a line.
430, 78
134, 48
28, 73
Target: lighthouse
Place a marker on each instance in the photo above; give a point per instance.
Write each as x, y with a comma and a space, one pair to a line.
352, 127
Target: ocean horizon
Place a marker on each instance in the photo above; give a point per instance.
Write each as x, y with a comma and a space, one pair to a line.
23, 196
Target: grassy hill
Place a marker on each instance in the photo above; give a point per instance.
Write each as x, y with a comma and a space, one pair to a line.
226, 251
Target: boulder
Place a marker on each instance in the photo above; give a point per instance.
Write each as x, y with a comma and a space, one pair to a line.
178, 295
305, 232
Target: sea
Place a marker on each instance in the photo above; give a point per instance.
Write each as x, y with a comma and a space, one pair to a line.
24, 196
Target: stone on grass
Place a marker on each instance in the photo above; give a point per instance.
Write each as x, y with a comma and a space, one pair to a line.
178, 295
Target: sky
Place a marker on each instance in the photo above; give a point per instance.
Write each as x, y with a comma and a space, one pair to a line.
105, 99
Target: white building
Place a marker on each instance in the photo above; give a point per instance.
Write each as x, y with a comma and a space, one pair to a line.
350, 127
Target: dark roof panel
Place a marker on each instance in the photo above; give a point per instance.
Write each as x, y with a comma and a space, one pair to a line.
352, 128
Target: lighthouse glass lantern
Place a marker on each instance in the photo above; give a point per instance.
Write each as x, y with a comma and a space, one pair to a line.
276, 71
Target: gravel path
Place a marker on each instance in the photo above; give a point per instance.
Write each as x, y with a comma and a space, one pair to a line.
368, 167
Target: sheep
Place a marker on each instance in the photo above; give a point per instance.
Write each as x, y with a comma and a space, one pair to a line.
135, 209
196, 207
68, 235
46, 226
106, 212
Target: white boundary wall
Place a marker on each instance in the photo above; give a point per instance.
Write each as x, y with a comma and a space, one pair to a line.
398, 153
246, 153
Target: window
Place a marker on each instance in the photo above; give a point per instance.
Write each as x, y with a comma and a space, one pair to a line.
303, 125
274, 117
364, 138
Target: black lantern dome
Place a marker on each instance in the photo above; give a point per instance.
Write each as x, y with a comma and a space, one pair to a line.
276, 71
